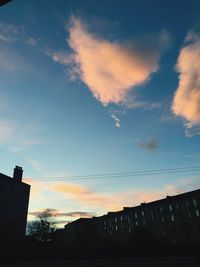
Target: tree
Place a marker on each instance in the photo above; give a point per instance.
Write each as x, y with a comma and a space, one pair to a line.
43, 227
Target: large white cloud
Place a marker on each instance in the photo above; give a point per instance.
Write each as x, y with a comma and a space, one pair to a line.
186, 102
111, 69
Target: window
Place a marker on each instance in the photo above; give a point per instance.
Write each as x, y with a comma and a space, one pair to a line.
170, 207
116, 227
121, 218
115, 219
194, 202
172, 218
160, 209
197, 213
135, 215
152, 214
162, 219
186, 203
143, 213
136, 223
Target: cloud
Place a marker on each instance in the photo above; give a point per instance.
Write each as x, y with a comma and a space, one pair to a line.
61, 57
31, 41
17, 137
10, 32
106, 201
186, 101
36, 165
150, 145
6, 131
116, 120
73, 214
81, 199
111, 69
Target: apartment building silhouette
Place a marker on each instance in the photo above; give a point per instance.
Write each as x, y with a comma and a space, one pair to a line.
174, 219
14, 199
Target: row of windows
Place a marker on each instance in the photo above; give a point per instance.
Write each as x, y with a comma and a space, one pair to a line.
115, 228
163, 219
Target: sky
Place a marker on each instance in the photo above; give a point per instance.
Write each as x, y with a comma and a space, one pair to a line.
99, 87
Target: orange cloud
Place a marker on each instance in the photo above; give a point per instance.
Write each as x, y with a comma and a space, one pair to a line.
111, 201
83, 198
186, 101
111, 69
72, 189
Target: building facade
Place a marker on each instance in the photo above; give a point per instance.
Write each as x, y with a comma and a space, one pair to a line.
175, 219
14, 199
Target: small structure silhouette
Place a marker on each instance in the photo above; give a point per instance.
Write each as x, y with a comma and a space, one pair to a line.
14, 199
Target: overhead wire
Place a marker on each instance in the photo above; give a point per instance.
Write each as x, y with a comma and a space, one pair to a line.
119, 174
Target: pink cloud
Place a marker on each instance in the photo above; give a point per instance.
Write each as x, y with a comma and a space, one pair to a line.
186, 101
112, 69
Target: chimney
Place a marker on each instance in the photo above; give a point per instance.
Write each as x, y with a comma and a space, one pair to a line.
17, 174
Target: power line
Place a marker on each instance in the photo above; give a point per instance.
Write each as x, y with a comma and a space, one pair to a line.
120, 174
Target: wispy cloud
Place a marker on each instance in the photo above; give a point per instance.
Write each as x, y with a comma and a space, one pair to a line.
116, 120
11, 32
57, 213
32, 41
186, 101
16, 137
150, 145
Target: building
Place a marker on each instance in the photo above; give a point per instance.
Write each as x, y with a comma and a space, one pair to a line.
14, 199
174, 219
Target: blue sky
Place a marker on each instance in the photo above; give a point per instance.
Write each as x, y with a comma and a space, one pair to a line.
89, 87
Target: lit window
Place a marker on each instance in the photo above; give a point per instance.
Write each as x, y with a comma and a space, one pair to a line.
172, 218
170, 207
135, 215
121, 218
194, 202
115, 219
197, 213
151, 214
116, 227
136, 223
143, 213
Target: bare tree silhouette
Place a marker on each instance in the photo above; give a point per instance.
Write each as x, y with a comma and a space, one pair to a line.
43, 227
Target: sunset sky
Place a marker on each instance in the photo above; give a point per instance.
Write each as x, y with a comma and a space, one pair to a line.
97, 87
